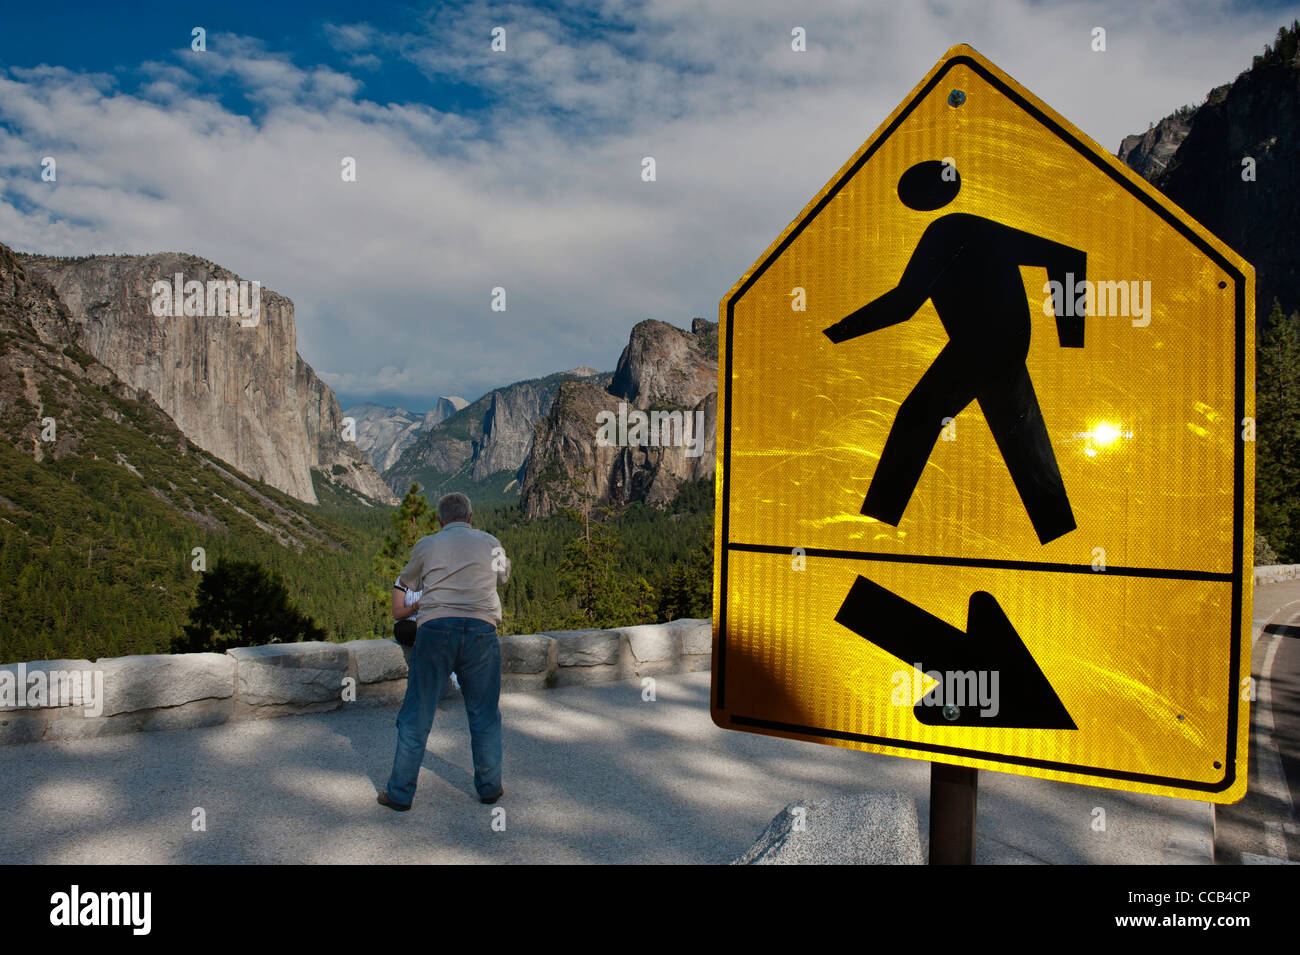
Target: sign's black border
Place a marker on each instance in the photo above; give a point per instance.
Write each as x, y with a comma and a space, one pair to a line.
1238, 482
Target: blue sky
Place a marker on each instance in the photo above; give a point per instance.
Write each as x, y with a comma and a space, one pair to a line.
519, 169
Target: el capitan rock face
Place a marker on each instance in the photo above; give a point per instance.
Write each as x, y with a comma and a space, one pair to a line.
241, 393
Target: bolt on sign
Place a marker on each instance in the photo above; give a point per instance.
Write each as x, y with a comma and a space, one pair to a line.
986, 489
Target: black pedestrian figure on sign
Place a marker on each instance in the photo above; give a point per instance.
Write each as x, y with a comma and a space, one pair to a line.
968, 267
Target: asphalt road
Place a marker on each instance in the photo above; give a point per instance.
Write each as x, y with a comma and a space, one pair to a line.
1262, 828
592, 774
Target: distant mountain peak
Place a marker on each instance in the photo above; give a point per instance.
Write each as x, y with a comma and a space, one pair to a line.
515, 440
385, 432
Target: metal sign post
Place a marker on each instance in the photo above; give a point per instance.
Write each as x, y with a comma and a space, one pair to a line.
954, 791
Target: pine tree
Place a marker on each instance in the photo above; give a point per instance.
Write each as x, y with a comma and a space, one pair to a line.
1277, 434
240, 603
1285, 48
591, 576
687, 590
411, 521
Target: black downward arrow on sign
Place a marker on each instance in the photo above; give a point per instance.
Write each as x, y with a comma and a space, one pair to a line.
1024, 698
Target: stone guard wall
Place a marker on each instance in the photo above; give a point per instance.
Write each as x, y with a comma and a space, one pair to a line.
1276, 573
180, 691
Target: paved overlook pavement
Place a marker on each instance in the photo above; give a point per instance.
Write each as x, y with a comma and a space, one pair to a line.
1262, 827
592, 774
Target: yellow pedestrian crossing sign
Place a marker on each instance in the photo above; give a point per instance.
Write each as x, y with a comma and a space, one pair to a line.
986, 460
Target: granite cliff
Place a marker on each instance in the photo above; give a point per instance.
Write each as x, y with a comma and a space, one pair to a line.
235, 386
105, 505
488, 439
1149, 153
663, 371
664, 366
1253, 206
384, 432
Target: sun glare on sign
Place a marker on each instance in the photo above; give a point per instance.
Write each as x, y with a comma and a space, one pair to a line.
1102, 436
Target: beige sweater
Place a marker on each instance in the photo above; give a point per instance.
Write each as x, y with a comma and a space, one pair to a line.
459, 569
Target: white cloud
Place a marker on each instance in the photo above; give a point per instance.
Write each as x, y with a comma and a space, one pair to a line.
540, 192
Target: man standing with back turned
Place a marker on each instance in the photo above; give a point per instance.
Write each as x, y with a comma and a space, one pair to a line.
459, 570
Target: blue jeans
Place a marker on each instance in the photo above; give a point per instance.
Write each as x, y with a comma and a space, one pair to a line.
469, 647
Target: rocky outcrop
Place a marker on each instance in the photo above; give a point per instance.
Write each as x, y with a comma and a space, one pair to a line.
666, 367
234, 385
588, 448
1256, 117
488, 436
38, 344
383, 433
45, 371
1148, 154
30, 307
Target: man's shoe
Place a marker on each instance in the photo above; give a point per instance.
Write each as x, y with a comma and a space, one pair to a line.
385, 801
491, 799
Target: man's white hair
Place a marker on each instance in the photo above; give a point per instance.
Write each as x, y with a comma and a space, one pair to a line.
453, 507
